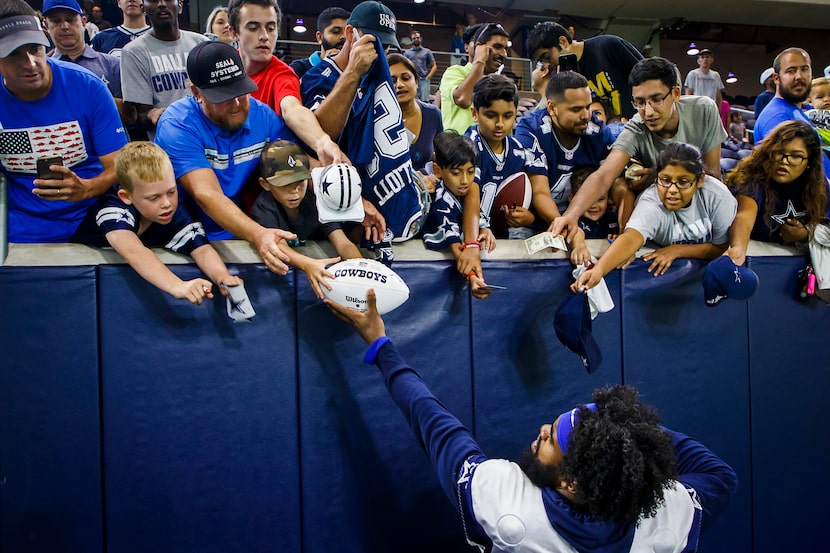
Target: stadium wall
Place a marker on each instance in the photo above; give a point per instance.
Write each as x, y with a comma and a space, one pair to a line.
133, 422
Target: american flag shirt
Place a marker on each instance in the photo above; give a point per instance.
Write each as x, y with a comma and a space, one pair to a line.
78, 120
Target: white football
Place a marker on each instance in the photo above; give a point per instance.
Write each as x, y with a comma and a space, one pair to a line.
354, 277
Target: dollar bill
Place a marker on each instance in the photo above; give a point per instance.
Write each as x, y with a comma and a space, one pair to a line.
544, 240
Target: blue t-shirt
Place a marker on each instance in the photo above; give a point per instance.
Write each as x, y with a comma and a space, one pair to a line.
442, 225
375, 140
778, 111
182, 234
431, 124
492, 170
193, 142
536, 133
77, 120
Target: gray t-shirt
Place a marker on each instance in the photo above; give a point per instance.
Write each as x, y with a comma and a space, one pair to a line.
704, 84
700, 125
154, 72
706, 219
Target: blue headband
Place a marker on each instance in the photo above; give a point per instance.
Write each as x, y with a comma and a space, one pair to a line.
567, 420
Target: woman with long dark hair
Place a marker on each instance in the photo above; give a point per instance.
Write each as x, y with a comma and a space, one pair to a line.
781, 189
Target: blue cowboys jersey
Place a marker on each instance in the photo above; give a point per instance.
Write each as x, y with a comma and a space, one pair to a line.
442, 226
375, 140
182, 234
493, 169
535, 132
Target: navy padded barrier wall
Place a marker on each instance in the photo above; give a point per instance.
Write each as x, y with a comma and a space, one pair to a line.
790, 379
50, 456
200, 417
367, 485
524, 377
691, 362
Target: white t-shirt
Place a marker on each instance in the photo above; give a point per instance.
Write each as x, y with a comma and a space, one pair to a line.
707, 218
704, 83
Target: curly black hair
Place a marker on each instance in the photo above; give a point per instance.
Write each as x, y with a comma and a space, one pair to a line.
619, 459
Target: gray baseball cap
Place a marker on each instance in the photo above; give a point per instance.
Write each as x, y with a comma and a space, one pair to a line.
19, 30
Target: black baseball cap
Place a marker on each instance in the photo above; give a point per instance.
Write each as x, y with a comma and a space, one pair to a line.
376, 19
217, 71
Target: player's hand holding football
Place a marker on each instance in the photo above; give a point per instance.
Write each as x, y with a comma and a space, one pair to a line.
368, 323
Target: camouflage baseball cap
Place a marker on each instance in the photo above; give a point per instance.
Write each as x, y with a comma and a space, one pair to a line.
283, 162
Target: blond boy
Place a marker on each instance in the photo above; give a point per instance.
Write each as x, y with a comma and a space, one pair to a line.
145, 213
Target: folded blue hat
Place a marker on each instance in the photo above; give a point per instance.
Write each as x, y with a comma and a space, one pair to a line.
572, 323
723, 279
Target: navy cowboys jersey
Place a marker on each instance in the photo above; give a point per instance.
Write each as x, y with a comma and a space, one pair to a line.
376, 141
492, 169
535, 132
442, 226
182, 234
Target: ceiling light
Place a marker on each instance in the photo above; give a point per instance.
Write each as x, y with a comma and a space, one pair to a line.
420, 1
299, 26
731, 78
692, 51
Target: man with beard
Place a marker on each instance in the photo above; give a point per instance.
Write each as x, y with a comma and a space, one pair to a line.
254, 25
560, 138
331, 35
793, 75
488, 52
214, 140
424, 62
603, 476
663, 117
153, 67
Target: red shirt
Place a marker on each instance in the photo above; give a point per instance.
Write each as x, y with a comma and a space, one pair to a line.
275, 82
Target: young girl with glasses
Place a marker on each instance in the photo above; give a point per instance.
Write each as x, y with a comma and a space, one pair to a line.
781, 189
686, 212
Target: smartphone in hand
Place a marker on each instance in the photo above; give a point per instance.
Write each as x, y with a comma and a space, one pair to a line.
568, 62
43, 164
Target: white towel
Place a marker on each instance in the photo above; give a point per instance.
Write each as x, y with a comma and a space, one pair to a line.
599, 298
820, 255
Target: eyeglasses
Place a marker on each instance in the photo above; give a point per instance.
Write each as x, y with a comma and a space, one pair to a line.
789, 159
654, 102
488, 28
681, 184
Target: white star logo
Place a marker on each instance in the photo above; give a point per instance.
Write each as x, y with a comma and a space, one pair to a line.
791, 213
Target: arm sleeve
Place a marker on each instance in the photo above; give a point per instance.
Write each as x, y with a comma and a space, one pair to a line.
440, 434
646, 216
135, 79
713, 480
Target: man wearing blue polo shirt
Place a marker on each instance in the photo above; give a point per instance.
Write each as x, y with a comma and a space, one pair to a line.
214, 140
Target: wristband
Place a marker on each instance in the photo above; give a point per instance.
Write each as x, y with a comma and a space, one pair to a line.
374, 349
471, 245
